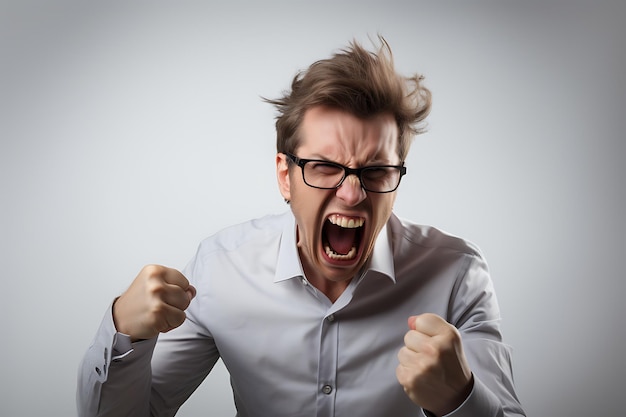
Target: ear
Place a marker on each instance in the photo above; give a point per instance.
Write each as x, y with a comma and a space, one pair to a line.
282, 175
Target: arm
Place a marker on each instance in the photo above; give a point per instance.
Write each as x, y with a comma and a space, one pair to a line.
116, 376
459, 366
112, 371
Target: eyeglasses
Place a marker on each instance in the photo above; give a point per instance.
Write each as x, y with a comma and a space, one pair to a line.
328, 175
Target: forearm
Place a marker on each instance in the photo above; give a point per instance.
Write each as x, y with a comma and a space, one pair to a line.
114, 378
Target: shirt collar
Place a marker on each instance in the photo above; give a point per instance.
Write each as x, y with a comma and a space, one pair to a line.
381, 260
289, 265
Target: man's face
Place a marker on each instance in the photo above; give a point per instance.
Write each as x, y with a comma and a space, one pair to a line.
332, 222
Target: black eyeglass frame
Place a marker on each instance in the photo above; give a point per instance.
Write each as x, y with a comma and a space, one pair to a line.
301, 162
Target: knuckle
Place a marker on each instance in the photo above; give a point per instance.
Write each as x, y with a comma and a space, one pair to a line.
403, 376
430, 349
451, 337
153, 270
157, 309
407, 338
155, 288
403, 354
426, 318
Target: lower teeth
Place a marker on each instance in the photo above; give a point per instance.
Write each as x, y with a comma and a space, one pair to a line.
332, 255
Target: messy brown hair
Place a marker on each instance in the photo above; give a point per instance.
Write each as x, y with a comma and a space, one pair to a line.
361, 82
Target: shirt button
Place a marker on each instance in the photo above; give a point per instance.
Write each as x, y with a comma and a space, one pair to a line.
327, 389
304, 282
331, 318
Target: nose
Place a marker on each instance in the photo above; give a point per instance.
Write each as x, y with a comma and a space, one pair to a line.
351, 191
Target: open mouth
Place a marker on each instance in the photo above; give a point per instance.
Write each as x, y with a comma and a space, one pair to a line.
341, 237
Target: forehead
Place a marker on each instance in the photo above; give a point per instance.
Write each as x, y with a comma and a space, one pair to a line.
340, 135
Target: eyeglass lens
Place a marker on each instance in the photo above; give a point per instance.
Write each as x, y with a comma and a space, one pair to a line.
328, 175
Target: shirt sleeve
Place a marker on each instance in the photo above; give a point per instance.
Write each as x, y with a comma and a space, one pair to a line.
148, 378
475, 312
114, 375
181, 360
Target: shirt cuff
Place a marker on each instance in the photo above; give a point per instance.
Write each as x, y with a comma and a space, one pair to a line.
480, 402
122, 346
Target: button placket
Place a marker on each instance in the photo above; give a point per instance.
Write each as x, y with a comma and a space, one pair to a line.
328, 366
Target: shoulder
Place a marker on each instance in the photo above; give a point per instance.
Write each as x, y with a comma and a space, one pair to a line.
408, 236
258, 231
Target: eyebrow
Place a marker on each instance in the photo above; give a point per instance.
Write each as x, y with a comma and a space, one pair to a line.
376, 162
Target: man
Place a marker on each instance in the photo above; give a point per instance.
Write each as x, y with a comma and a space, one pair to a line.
335, 308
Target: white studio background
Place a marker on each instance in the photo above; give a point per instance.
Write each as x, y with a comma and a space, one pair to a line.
132, 130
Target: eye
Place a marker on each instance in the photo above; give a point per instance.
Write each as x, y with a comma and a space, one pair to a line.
376, 173
324, 168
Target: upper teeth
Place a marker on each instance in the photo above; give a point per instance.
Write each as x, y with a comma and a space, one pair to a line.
347, 223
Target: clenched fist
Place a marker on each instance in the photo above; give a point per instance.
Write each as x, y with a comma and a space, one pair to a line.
433, 369
155, 302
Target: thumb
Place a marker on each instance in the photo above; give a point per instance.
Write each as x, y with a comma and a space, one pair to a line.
191, 292
411, 322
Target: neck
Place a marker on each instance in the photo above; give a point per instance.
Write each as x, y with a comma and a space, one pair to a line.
330, 289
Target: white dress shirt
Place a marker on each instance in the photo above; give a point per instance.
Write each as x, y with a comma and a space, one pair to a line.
290, 351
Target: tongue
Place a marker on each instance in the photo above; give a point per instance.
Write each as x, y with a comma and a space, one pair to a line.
340, 240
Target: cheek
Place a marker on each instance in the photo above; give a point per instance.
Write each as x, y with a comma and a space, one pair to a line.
307, 232
306, 206
382, 211
384, 206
